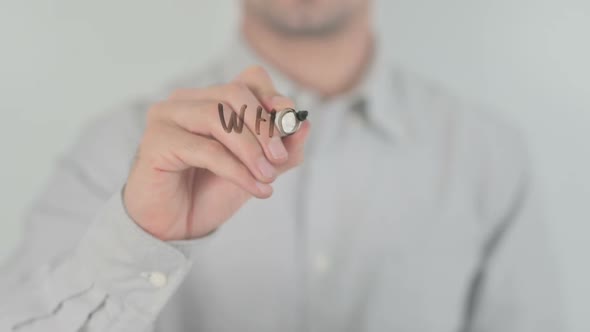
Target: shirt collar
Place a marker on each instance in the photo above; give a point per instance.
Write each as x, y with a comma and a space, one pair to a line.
376, 90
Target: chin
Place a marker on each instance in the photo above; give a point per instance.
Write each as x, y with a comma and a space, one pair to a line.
305, 17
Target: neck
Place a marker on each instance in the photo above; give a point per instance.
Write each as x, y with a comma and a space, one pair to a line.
329, 65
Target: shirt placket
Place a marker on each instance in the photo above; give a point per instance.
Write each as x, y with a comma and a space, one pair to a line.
315, 258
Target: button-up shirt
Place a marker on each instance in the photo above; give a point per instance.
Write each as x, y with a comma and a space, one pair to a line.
413, 211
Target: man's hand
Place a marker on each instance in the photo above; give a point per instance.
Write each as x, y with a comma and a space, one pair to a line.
190, 175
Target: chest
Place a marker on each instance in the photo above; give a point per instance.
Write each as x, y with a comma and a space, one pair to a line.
365, 237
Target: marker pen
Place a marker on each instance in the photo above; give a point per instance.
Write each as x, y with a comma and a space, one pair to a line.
289, 120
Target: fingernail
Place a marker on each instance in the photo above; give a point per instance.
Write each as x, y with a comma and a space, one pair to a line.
276, 148
266, 169
264, 188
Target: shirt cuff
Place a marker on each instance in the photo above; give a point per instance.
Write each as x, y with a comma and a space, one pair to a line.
131, 266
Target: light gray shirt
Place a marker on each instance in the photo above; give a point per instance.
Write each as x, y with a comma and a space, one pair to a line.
414, 211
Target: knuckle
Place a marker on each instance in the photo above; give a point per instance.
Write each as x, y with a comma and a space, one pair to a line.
256, 70
179, 93
156, 110
236, 89
191, 106
187, 111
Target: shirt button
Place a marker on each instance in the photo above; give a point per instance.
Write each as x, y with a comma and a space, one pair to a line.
321, 263
157, 279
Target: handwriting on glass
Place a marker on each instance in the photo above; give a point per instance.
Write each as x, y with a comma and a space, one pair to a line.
236, 123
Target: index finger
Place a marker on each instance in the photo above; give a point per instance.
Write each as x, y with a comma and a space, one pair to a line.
260, 83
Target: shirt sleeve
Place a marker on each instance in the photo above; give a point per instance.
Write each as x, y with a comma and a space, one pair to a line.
82, 264
118, 278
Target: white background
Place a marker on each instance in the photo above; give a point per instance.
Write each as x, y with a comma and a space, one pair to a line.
63, 61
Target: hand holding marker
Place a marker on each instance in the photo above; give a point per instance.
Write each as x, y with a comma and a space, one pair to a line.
190, 176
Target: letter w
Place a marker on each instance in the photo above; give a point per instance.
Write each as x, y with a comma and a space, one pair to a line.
234, 123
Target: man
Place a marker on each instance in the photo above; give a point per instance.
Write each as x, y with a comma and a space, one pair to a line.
411, 212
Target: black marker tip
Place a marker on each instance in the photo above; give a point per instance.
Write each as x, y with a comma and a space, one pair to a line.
301, 115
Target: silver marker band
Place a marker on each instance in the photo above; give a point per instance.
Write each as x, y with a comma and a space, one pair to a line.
288, 121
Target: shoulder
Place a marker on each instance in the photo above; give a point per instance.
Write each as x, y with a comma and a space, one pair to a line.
432, 108
487, 152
